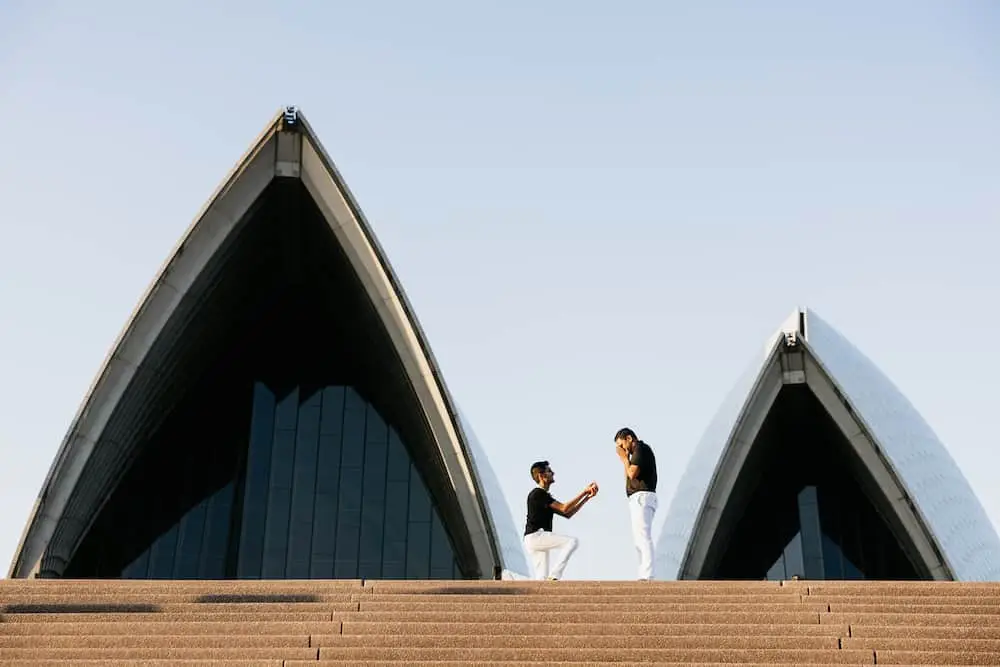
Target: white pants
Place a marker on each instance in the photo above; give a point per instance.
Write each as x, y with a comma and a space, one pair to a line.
642, 507
540, 543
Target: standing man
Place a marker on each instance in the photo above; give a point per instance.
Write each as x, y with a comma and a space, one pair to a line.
539, 539
640, 489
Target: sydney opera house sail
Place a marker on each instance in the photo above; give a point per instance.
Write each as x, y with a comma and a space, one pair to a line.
272, 409
817, 467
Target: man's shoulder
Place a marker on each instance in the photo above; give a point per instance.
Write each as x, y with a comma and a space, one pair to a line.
538, 491
646, 449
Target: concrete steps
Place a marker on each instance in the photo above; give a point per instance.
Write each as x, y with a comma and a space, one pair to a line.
439, 623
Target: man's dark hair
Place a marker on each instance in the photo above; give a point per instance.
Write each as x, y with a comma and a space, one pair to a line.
624, 433
537, 468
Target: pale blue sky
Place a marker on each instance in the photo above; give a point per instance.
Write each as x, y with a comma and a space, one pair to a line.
598, 210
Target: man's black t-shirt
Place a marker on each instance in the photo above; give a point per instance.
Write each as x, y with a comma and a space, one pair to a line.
643, 457
539, 512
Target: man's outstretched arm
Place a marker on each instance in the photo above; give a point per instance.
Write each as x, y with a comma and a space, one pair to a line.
567, 510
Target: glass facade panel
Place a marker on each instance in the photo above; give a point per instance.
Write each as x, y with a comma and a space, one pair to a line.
397, 498
139, 568
300, 524
194, 548
161, 558
189, 542
328, 491
441, 558
373, 496
326, 502
212, 560
258, 472
811, 534
789, 563
279, 502
351, 467
794, 565
418, 530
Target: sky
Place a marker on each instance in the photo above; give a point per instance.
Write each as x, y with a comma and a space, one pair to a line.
599, 211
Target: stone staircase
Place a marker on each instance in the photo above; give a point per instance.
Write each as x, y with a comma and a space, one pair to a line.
288, 623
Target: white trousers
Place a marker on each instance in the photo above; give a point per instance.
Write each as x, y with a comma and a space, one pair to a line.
540, 543
642, 507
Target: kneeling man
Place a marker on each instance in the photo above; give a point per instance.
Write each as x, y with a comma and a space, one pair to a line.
539, 539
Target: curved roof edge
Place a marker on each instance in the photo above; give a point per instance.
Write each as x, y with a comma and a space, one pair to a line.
686, 506
941, 493
287, 147
959, 540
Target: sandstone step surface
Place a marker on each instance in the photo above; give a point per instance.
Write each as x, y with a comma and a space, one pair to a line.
439, 623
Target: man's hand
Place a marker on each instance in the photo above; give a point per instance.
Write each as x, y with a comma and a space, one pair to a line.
567, 510
621, 452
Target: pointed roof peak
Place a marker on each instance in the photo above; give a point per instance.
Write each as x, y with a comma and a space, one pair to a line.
160, 330
935, 510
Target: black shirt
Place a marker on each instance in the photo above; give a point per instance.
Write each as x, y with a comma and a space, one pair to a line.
539, 512
643, 457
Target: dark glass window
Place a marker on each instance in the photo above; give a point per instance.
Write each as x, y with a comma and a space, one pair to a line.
323, 497
805, 507
327, 483
194, 548
219, 515
367, 514
276, 428
418, 530
397, 512
306, 514
373, 496
256, 481
300, 522
190, 533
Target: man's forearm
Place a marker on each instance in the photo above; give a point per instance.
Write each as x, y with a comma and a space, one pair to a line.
577, 503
